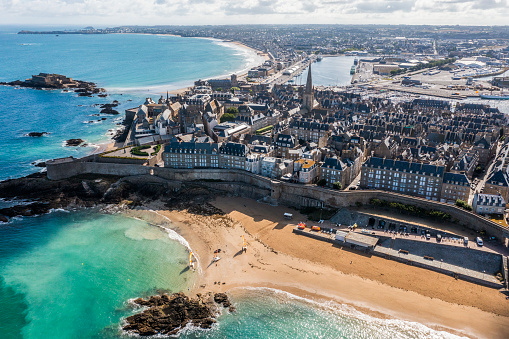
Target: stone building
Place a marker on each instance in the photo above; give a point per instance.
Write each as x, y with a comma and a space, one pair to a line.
421, 180
455, 186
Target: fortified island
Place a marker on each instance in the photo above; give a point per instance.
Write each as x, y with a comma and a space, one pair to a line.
57, 81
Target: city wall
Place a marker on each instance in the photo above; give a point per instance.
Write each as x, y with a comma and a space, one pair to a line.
243, 183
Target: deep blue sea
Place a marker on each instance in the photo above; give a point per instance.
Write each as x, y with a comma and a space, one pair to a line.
71, 274
131, 68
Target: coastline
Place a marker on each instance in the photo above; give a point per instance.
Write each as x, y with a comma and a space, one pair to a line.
110, 143
270, 264
158, 89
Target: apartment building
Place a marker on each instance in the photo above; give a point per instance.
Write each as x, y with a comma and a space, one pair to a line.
455, 186
192, 154
421, 180
334, 170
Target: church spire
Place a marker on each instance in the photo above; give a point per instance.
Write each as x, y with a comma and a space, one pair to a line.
309, 82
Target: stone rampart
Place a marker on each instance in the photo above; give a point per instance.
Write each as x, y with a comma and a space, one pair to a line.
278, 192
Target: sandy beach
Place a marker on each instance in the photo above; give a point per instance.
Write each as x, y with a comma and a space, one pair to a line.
277, 258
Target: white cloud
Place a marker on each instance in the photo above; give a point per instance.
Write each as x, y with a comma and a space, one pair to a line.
182, 12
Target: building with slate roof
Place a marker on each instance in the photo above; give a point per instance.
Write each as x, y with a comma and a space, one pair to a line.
455, 186
232, 155
191, 154
310, 130
334, 170
498, 183
488, 204
421, 180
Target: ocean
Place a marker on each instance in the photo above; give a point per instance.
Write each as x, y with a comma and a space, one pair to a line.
72, 274
131, 67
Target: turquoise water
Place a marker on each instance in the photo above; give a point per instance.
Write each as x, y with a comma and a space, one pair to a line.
130, 67
268, 313
70, 275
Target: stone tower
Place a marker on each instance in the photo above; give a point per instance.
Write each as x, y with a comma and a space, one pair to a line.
308, 97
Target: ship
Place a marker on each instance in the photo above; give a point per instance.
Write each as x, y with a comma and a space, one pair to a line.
495, 96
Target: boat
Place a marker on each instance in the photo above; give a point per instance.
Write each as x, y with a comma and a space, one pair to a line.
352, 70
355, 61
319, 58
495, 96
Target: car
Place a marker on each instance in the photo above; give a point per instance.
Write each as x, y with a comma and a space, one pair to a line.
479, 241
465, 241
413, 230
428, 236
423, 232
439, 237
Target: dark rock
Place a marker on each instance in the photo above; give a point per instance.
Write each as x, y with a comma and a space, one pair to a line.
39, 163
113, 104
168, 314
109, 110
102, 95
74, 142
3, 218
222, 298
37, 134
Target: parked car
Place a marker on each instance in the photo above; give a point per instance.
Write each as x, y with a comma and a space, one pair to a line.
465, 241
439, 237
479, 241
428, 236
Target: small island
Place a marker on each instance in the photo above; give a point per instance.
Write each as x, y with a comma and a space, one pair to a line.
57, 81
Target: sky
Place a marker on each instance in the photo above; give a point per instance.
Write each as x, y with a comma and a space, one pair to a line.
109, 13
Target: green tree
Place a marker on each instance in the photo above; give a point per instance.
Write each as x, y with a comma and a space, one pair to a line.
227, 117
233, 89
233, 110
321, 182
463, 204
337, 185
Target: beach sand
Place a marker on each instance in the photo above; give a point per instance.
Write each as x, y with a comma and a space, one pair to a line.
277, 258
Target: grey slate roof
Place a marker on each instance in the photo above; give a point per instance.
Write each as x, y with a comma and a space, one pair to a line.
404, 166
499, 178
456, 179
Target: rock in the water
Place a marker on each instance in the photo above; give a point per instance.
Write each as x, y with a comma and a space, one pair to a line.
167, 314
3, 218
39, 163
74, 142
109, 110
37, 134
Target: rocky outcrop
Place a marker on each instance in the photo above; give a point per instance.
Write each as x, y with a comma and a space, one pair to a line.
169, 314
108, 108
40, 194
74, 142
37, 134
57, 81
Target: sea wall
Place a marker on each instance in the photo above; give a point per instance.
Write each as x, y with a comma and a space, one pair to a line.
247, 184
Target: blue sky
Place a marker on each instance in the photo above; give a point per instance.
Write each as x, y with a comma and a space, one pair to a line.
104, 13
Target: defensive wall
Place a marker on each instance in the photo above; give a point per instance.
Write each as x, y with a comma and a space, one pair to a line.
251, 185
